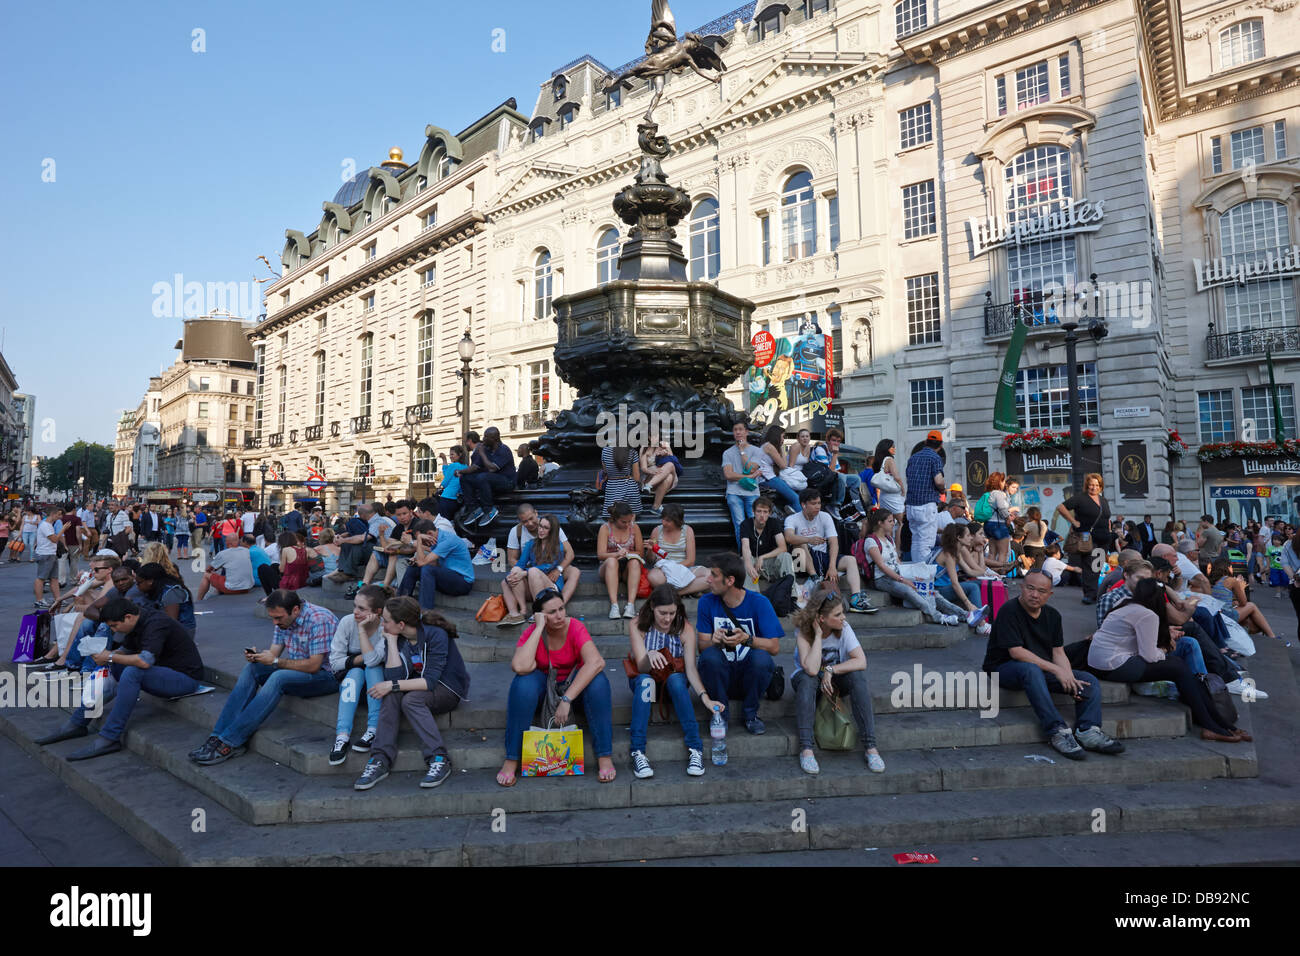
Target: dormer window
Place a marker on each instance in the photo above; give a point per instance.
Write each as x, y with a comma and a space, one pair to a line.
770, 20
444, 167
421, 184
560, 88
538, 128
1241, 43
568, 115
614, 98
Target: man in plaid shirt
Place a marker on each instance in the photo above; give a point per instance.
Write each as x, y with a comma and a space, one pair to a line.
297, 663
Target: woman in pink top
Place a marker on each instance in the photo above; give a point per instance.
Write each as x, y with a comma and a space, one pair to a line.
556, 640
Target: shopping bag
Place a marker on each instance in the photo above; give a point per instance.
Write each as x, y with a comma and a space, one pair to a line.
98, 688
552, 752
833, 728
794, 477
492, 610
33, 638
62, 628
643, 586
1238, 640
920, 574
994, 594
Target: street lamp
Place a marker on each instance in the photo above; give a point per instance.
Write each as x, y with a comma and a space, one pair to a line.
465, 347
263, 468
1097, 329
411, 435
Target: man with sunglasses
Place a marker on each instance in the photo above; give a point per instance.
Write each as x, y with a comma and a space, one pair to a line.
87, 599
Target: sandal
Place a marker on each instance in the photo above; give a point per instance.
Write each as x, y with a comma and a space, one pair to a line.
509, 775
612, 771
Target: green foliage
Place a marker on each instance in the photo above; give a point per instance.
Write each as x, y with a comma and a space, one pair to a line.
99, 475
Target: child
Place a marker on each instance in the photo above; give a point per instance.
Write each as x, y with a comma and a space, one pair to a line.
1054, 566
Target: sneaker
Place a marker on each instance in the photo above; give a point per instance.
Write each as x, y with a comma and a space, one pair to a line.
472, 517
755, 726
695, 762
376, 769
488, 518
220, 754
630, 610
510, 620
950, 620
613, 612
976, 616
363, 745
875, 763
1241, 689
1094, 738
808, 764
439, 771
340, 751
41, 605
860, 605
640, 766
1063, 742
352, 590
209, 744
984, 630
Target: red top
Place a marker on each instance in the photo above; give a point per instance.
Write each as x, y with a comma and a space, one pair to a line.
568, 656
295, 572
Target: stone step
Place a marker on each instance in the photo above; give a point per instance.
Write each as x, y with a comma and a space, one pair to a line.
162, 811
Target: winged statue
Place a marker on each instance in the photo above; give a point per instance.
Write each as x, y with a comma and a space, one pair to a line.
665, 54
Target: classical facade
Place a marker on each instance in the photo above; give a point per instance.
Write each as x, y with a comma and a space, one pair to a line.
123, 451
135, 448
11, 430
25, 414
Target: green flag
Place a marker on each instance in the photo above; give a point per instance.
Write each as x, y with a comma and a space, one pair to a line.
1004, 407
1279, 432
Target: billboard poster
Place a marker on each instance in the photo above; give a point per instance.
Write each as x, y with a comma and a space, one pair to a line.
791, 380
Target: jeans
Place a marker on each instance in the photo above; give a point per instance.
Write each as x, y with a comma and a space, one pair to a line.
1188, 650
421, 708
29, 544
157, 681
357, 682
433, 578
527, 692
478, 488
782, 491
74, 659
353, 558
924, 522
741, 507
1215, 662
257, 693
847, 485
1135, 669
934, 607
746, 679
1040, 685
970, 588
806, 688
680, 692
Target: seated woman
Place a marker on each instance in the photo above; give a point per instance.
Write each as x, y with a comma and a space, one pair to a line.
424, 676
1131, 646
618, 549
660, 472
670, 552
1231, 590
663, 640
976, 561
947, 579
290, 571
878, 545
449, 497
545, 561
327, 551
156, 589
556, 641
357, 655
1054, 567
829, 660
771, 462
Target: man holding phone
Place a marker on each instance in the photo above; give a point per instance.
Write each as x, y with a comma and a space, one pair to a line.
740, 636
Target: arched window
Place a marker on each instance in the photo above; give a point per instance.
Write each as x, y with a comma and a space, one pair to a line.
424, 463
1037, 182
799, 217
542, 277
319, 418
560, 88
367, 376
1247, 232
424, 358
363, 470
706, 255
1241, 43
607, 257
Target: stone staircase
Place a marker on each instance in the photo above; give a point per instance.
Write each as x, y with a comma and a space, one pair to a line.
952, 774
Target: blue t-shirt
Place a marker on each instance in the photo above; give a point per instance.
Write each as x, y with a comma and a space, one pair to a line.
866, 474
454, 555
754, 614
258, 558
527, 560
451, 479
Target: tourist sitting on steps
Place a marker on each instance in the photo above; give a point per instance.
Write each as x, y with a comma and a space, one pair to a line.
160, 591
618, 549
771, 462
355, 543
740, 636
829, 660
880, 551
490, 472
1231, 590
555, 640
660, 471
393, 547
156, 655
442, 565
670, 553
813, 529
762, 547
449, 497
546, 560
297, 663
357, 655
525, 531
424, 676
660, 637
948, 582
1027, 652
231, 571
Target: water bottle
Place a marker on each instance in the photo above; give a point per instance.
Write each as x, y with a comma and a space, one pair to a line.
718, 731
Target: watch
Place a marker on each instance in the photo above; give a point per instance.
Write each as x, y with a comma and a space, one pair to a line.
396, 686
276, 662
565, 699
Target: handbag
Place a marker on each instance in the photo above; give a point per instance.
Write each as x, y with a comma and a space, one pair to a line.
33, 638
833, 729
660, 675
1080, 542
883, 481
492, 610
643, 585
748, 484
120, 543
1220, 700
794, 477
17, 547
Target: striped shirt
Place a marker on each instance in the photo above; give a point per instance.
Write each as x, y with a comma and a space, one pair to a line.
656, 640
310, 634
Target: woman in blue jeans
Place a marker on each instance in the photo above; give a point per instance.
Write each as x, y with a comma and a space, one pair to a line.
947, 579
662, 640
771, 462
556, 641
357, 655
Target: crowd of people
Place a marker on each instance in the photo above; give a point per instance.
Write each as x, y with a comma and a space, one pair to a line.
1168, 603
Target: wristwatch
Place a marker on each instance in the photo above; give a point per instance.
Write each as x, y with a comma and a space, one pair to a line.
276, 662
748, 642
396, 686
565, 699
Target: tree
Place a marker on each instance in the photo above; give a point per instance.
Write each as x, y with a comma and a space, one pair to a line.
94, 461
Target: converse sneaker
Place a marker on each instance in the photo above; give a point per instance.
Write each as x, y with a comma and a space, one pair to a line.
985, 629
695, 762
976, 616
950, 620
363, 745
376, 770
439, 771
340, 751
613, 612
472, 517
630, 610
1094, 738
488, 517
1063, 742
640, 766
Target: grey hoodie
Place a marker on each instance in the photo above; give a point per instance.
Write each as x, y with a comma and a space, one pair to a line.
347, 643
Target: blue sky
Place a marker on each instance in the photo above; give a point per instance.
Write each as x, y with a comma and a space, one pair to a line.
166, 160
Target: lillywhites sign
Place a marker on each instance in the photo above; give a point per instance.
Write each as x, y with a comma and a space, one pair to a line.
1276, 264
1264, 466
1037, 462
996, 231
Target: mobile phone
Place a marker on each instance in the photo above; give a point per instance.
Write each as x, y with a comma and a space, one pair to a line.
250, 650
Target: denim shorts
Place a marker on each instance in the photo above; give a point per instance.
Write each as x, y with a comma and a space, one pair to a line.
997, 530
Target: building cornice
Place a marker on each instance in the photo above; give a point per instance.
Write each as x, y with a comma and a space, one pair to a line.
421, 247
984, 25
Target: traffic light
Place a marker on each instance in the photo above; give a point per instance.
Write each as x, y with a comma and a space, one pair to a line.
71, 470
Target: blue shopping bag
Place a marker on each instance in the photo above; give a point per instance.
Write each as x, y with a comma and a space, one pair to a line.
33, 638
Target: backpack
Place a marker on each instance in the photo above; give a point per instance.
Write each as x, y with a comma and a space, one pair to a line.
983, 510
1220, 701
865, 564
781, 596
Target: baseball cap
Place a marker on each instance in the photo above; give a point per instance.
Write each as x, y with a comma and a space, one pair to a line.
955, 489
934, 435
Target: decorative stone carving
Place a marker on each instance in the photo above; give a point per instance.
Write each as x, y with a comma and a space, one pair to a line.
806, 151
1276, 6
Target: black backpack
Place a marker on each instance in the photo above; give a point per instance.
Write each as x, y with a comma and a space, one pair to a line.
781, 596
1220, 701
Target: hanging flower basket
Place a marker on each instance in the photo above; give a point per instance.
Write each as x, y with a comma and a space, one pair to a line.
1042, 438
1288, 447
1175, 444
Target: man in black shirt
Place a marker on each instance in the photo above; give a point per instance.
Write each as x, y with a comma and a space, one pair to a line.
156, 654
762, 545
527, 473
491, 471
1027, 651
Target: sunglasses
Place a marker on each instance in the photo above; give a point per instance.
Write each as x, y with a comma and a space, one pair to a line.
547, 595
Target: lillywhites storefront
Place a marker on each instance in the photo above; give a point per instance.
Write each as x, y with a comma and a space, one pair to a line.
1044, 478
1245, 489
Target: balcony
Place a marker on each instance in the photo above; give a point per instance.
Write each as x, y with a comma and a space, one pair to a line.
1251, 343
313, 432
420, 412
360, 424
275, 441
531, 421
1035, 312
253, 442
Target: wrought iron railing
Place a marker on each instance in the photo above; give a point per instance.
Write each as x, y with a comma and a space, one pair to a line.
313, 432
420, 412
1034, 311
1250, 343
529, 421
361, 423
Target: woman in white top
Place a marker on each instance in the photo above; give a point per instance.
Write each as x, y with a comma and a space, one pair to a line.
670, 553
879, 548
890, 501
801, 450
771, 462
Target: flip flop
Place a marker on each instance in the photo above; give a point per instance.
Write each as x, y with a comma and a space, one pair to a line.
612, 771
514, 779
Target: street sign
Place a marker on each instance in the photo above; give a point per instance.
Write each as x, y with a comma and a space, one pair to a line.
1132, 411
314, 484
205, 496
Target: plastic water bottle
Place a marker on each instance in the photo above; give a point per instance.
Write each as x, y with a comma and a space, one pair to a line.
718, 731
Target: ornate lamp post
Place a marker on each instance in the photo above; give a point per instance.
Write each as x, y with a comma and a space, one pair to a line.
411, 435
263, 468
465, 347
1097, 329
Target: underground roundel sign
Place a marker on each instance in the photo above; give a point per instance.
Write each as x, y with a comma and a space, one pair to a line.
764, 348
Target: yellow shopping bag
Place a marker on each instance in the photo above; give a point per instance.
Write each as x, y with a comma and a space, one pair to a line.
552, 752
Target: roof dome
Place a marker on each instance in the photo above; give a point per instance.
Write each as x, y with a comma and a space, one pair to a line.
354, 190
